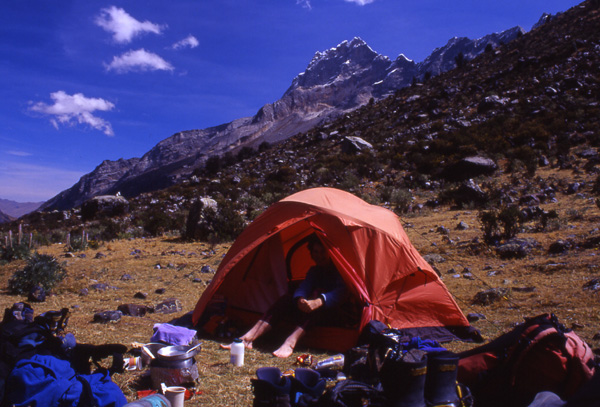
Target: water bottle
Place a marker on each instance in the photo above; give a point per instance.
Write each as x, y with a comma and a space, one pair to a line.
154, 400
237, 352
334, 361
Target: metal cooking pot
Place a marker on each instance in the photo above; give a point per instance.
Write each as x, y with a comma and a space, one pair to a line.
180, 352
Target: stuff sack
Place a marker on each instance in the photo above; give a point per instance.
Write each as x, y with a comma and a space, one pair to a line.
537, 355
45, 380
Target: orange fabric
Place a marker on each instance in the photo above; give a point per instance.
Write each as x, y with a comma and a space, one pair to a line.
366, 242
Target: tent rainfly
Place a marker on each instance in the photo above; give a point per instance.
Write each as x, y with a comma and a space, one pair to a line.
387, 277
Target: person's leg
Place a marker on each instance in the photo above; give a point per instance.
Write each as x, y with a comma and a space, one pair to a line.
288, 346
254, 333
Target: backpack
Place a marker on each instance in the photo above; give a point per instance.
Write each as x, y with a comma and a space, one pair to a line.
537, 355
352, 393
44, 380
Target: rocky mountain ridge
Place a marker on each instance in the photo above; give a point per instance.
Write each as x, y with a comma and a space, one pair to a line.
335, 82
15, 209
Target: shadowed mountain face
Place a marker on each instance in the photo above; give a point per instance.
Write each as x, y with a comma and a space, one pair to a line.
335, 82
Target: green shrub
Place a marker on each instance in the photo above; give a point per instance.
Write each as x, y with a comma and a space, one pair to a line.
489, 226
41, 270
402, 199
214, 225
15, 252
510, 218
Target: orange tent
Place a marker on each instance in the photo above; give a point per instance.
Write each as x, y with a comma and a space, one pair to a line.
382, 269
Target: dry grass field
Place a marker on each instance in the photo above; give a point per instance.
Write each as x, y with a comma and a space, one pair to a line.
538, 283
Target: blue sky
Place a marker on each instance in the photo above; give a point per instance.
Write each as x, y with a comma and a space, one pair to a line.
87, 81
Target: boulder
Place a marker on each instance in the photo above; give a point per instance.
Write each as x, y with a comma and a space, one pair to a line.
104, 206
468, 192
353, 145
516, 248
470, 167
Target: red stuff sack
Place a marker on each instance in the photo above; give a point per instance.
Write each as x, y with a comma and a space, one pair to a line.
537, 355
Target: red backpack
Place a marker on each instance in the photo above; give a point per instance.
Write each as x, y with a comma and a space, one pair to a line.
537, 355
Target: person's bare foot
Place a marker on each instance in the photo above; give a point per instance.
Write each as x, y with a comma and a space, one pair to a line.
284, 351
247, 344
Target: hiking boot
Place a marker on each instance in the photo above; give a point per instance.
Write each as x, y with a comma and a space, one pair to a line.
270, 388
307, 386
440, 385
403, 378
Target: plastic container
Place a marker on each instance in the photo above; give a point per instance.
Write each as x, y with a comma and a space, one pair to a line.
334, 361
155, 400
237, 352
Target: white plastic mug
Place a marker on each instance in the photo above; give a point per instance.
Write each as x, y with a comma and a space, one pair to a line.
175, 395
134, 363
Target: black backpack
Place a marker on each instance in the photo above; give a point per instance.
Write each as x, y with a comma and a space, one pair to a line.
352, 393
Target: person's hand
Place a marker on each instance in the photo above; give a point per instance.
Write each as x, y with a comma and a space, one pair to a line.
308, 306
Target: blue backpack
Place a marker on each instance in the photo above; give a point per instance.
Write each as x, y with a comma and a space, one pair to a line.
47, 381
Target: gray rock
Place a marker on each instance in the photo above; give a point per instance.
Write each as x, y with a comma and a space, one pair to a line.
353, 144
516, 248
104, 206
434, 258
462, 226
490, 296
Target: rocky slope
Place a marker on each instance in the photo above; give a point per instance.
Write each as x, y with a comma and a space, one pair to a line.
336, 81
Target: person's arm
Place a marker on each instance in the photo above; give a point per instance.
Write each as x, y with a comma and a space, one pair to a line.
306, 287
337, 295
304, 292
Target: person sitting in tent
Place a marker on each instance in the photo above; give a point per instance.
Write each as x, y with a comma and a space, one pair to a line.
317, 295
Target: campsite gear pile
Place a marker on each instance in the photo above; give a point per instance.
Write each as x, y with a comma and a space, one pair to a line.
389, 369
42, 365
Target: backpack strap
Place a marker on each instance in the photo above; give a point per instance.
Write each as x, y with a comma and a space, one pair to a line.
87, 397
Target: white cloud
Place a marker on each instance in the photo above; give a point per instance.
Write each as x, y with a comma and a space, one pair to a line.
18, 153
124, 27
139, 60
304, 3
189, 41
360, 2
33, 183
68, 109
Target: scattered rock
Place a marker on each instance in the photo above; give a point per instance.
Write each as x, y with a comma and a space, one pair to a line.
160, 291
516, 248
443, 230
126, 277
105, 317
593, 285
100, 255
558, 247
434, 258
462, 226
529, 289
206, 269
140, 295
99, 287
490, 296
168, 306
474, 317
37, 294
134, 310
